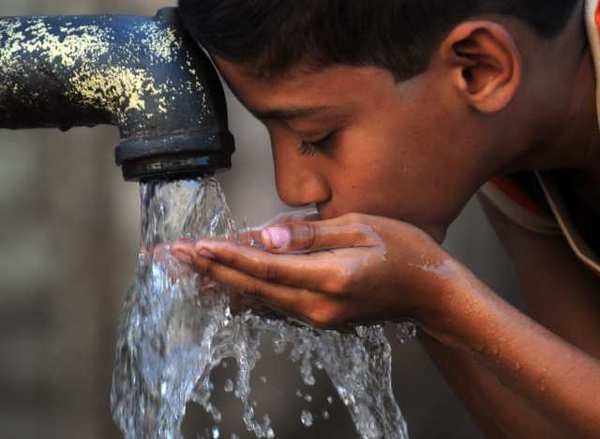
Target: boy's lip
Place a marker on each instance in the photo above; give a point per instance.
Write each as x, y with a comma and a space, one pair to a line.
325, 212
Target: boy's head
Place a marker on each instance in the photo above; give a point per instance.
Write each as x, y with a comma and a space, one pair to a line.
273, 36
387, 107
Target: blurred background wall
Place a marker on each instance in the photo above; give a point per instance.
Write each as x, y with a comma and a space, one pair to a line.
69, 235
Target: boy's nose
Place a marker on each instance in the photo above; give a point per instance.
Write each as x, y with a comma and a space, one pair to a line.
299, 186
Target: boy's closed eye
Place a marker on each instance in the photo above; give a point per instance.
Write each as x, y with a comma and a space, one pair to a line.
324, 144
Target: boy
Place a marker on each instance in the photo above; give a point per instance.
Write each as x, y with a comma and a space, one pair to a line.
389, 115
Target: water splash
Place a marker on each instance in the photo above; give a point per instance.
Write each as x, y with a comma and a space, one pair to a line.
306, 418
171, 337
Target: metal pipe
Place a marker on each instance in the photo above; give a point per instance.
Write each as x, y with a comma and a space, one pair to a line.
141, 74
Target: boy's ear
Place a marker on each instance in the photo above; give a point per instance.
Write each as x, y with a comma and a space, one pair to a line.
485, 63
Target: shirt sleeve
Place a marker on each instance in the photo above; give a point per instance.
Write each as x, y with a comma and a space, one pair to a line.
511, 196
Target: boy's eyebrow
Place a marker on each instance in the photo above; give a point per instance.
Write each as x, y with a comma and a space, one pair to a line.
287, 113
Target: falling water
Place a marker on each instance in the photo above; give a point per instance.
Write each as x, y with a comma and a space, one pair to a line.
172, 337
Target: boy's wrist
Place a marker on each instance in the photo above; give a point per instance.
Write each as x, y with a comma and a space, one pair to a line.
457, 306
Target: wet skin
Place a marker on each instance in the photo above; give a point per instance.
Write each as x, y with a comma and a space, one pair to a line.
389, 165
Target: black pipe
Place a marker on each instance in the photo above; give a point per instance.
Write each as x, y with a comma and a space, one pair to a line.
141, 74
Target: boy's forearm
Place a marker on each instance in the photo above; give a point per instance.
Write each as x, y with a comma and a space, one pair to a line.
497, 410
559, 380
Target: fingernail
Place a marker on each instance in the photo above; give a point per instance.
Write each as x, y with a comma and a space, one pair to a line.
182, 256
279, 237
205, 253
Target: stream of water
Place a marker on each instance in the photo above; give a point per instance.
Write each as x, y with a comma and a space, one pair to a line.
177, 327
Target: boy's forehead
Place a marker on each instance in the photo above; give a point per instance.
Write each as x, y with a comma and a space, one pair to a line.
302, 88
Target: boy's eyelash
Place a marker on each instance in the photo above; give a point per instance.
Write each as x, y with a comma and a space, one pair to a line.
308, 149
312, 148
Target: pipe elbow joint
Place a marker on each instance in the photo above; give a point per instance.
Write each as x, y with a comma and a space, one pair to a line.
143, 75
176, 126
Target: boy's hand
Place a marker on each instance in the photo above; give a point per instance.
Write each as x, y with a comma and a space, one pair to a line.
355, 269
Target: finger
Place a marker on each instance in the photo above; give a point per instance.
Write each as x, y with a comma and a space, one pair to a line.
318, 272
184, 251
282, 298
305, 305
292, 217
348, 231
252, 236
317, 236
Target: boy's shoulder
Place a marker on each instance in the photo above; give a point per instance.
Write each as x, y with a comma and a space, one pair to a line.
557, 289
538, 203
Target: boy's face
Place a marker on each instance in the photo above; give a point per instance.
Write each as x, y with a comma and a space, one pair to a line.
353, 140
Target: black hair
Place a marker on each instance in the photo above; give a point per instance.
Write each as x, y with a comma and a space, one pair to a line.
272, 36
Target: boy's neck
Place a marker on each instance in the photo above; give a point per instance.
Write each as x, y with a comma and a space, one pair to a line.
572, 134
579, 147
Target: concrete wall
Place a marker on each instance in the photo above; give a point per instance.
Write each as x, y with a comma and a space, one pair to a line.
69, 234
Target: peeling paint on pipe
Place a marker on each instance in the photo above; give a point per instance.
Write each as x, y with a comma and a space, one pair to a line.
141, 74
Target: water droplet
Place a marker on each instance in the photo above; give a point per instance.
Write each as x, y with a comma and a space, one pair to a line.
228, 386
308, 377
234, 436
263, 379
330, 399
279, 345
216, 414
216, 433
346, 397
326, 415
298, 393
406, 332
306, 418
308, 398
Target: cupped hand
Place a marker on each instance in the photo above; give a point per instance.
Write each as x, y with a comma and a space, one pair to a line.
355, 269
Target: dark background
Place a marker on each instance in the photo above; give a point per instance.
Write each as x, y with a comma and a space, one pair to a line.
69, 234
